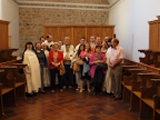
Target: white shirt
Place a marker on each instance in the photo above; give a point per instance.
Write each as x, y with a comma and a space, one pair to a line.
92, 45
48, 43
115, 54
76, 50
70, 53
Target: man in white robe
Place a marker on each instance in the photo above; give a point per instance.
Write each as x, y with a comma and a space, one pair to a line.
68, 52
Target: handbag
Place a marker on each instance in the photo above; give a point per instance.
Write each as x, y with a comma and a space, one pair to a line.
76, 67
79, 62
62, 69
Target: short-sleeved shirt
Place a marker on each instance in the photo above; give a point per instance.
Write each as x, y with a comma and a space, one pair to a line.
115, 54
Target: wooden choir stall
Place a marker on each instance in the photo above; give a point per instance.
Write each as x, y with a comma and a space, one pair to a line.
141, 89
141, 81
12, 79
152, 55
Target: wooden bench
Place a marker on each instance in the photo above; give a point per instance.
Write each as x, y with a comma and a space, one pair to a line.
156, 58
12, 80
140, 89
6, 88
17, 77
147, 90
156, 97
126, 80
135, 88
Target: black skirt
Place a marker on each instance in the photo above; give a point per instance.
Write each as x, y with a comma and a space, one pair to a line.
85, 76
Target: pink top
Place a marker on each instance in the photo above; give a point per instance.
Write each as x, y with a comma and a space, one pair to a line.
94, 57
83, 54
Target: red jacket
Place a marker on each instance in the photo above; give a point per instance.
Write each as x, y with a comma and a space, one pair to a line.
51, 58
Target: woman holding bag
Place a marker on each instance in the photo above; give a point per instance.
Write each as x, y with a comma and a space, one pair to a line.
55, 62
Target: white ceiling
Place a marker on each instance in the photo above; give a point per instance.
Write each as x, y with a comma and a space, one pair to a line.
103, 1
72, 1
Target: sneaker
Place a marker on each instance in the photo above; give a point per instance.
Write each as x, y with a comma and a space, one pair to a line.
77, 89
117, 98
81, 90
61, 90
52, 91
35, 93
29, 94
64, 87
89, 90
42, 91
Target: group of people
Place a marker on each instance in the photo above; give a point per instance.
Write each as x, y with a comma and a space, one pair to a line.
93, 65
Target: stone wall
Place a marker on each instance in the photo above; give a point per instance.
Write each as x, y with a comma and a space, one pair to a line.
33, 20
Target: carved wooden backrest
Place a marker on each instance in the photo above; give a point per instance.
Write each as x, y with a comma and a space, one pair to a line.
6, 55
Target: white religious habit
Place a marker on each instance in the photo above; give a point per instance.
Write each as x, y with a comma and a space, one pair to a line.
32, 71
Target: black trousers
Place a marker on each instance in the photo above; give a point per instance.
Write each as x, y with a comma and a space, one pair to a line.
68, 76
99, 78
53, 73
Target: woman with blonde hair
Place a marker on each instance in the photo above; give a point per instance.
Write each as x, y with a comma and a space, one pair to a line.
55, 62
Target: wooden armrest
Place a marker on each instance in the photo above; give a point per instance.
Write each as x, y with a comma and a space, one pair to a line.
142, 50
138, 94
6, 90
149, 74
11, 61
156, 101
18, 64
155, 80
158, 111
137, 69
156, 97
1, 70
129, 66
149, 102
19, 84
7, 67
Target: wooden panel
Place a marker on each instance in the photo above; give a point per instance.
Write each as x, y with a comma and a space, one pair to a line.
54, 32
94, 31
109, 31
77, 32
159, 36
154, 40
4, 40
65, 31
